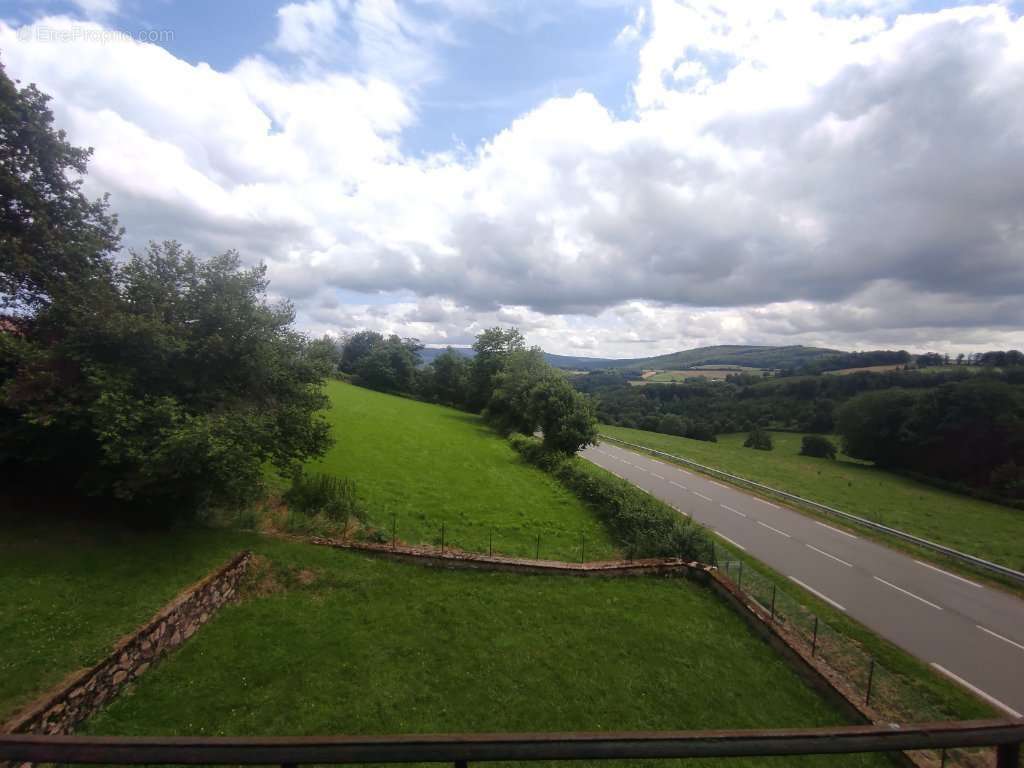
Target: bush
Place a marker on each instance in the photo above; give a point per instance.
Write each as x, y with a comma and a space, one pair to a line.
334, 497
650, 528
817, 446
758, 439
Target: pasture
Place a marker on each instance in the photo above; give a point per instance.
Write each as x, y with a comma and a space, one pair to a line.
418, 465
367, 646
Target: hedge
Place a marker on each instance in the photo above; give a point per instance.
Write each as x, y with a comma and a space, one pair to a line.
639, 522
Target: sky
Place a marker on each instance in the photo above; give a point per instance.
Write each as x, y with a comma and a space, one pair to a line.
617, 178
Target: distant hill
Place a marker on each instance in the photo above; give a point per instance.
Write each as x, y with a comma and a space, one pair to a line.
728, 354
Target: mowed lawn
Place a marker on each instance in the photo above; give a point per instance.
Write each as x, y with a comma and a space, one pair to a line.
987, 530
367, 646
68, 592
417, 465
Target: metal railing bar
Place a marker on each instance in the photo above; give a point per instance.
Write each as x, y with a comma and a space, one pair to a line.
473, 747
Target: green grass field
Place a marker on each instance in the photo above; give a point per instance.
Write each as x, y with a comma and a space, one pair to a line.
372, 646
67, 593
421, 464
987, 530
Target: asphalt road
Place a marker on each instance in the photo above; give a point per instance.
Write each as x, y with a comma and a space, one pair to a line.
968, 631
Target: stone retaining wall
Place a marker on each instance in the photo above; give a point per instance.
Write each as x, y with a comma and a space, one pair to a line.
85, 692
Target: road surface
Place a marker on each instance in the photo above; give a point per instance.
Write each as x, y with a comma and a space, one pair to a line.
967, 631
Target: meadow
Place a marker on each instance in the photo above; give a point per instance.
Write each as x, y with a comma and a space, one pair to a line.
418, 465
364, 646
978, 527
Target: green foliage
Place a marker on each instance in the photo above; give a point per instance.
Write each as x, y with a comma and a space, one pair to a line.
385, 364
817, 446
638, 521
319, 493
759, 439
493, 348
170, 391
53, 240
448, 379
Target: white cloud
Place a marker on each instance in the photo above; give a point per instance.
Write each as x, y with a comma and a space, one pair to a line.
98, 9
788, 176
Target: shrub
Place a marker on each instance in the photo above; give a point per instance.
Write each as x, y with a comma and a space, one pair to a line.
758, 439
649, 527
334, 497
818, 446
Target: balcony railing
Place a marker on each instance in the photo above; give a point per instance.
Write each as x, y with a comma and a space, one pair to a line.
462, 748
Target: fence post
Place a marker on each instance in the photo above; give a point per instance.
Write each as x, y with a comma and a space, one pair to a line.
871, 677
740, 583
714, 560
442, 537
537, 557
394, 530
490, 543
1008, 755
773, 602
583, 547
814, 640
943, 763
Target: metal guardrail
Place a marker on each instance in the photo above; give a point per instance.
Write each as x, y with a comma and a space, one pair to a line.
954, 554
461, 748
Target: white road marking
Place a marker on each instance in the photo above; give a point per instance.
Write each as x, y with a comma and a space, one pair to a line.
655, 474
741, 514
816, 593
951, 575
623, 460
837, 530
826, 554
715, 482
642, 469
1004, 639
706, 498
974, 689
781, 533
677, 485
680, 511
908, 593
734, 543
755, 498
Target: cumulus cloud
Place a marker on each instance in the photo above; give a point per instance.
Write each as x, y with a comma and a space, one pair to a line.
791, 172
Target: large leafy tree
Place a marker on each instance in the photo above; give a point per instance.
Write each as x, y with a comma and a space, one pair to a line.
53, 239
175, 392
493, 348
161, 384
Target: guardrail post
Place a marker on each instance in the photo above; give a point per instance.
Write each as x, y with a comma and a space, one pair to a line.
1008, 755
814, 639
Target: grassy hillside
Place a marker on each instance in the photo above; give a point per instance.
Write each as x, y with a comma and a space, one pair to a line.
988, 530
424, 464
68, 592
372, 646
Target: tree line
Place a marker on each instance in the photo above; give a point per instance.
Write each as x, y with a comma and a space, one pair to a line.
511, 385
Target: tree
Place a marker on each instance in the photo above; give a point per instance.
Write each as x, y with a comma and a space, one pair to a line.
492, 348
510, 405
53, 240
171, 390
356, 347
873, 426
450, 382
818, 446
565, 416
759, 439
389, 365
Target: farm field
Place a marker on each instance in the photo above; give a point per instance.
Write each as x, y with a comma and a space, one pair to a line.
419, 465
980, 528
368, 646
68, 592
864, 369
712, 373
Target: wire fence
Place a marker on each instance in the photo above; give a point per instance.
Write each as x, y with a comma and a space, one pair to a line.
895, 696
